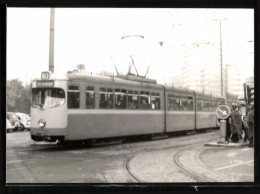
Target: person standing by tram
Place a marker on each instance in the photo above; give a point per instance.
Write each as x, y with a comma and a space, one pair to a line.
236, 124
250, 120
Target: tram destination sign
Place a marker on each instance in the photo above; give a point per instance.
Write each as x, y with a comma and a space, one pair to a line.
223, 111
44, 83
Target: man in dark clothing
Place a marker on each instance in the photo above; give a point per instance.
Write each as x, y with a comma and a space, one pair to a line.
250, 119
236, 124
245, 129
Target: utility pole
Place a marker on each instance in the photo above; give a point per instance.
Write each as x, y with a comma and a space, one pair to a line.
221, 55
221, 58
51, 48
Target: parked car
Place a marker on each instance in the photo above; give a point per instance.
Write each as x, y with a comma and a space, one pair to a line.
25, 120
14, 120
9, 126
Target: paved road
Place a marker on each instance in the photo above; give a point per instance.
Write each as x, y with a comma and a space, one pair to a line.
176, 159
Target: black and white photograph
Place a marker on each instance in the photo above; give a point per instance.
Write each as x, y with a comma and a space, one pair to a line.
130, 95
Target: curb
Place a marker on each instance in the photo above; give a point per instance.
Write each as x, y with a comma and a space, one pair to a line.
226, 144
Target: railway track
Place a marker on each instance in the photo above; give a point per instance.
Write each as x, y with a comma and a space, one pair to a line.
196, 176
135, 162
177, 161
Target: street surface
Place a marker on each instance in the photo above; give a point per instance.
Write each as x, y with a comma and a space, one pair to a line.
173, 160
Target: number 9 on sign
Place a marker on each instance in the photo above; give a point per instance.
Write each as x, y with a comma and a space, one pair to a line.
45, 75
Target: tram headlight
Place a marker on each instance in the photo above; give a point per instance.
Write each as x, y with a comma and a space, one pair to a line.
42, 123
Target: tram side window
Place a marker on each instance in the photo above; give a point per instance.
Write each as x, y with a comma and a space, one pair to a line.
120, 99
106, 98
184, 103
200, 105
73, 97
155, 101
190, 103
90, 97
206, 106
133, 99
170, 102
145, 100
174, 102
177, 104
214, 106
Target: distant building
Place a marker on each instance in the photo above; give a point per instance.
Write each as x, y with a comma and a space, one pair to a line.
174, 81
249, 79
201, 69
234, 80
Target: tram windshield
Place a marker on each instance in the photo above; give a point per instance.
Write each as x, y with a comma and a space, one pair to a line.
47, 97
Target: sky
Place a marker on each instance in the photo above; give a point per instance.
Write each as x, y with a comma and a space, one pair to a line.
93, 36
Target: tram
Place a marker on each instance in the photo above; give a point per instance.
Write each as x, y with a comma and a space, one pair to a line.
77, 107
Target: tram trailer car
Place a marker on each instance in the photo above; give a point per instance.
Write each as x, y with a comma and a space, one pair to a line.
85, 107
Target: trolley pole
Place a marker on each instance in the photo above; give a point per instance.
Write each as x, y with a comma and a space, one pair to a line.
51, 48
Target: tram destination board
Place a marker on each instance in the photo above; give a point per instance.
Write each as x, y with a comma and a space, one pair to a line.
45, 83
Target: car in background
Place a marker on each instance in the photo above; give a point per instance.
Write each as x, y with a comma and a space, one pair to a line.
15, 121
9, 126
25, 120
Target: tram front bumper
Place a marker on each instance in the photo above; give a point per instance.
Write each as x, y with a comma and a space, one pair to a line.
49, 135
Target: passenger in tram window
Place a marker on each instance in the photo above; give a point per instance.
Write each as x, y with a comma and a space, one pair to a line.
74, 102
121, 102
131, 105
133, 102
181, 105
102, 102
90, 102
185, 105
109, 104
157, 104
170, 105
190, 105
144, 104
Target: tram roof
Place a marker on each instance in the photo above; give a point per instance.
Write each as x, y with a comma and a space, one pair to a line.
107, 80
124, 81
180, 90
202, 95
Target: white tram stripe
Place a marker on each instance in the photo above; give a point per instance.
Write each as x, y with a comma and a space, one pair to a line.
114, 111
180, 112
206, 113
118, 111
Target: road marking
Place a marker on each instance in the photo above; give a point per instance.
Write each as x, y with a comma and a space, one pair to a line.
234, 165
246, 149
232, 154
15, 169
15, 161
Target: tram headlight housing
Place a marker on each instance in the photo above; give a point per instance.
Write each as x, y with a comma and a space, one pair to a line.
42, 123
